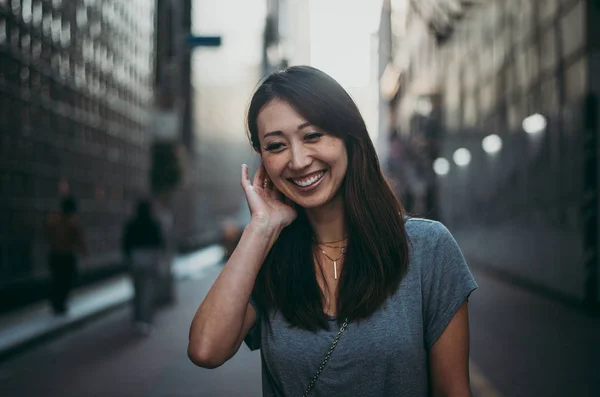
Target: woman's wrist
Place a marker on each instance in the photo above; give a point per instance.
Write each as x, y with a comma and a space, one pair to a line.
263, 228
261, 236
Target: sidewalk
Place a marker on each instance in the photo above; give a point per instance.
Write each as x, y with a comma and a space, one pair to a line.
542, 257
526, 344
34, 323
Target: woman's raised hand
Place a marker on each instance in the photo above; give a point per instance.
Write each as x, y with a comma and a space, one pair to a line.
268, 207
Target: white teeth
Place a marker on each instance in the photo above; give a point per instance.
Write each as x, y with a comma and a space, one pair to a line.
309, 181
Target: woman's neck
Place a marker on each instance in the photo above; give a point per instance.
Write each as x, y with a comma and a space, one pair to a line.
328, 221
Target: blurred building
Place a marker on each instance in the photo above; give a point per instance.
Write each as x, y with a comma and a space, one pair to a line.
222, 81
171, 120
76, 94
287, 38
498, 98
261, 37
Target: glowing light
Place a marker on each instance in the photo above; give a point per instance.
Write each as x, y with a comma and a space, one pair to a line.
534, 124
424, 107
441, 166
491, 144
462, 157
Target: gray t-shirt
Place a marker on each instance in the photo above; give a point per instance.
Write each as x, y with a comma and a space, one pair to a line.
386, 354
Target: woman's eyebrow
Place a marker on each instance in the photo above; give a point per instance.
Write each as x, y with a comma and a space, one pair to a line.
303, 125
278, 132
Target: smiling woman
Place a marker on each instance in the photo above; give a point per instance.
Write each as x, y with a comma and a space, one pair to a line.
330, 262
298, 157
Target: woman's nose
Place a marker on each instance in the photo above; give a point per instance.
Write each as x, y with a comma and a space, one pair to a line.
300, 158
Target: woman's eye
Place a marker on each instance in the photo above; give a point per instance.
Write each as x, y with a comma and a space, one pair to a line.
274, 147
313, 136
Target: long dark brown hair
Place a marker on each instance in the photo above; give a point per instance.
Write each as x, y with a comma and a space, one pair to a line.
377, 254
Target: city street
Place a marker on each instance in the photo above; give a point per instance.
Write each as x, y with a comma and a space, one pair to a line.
517, 339
107, 358
483, 115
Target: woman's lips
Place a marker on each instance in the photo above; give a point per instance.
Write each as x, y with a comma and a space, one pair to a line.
308, 183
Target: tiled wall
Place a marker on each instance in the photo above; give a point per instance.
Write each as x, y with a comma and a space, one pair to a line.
76, 82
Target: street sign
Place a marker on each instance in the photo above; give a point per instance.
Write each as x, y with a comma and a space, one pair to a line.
203, 41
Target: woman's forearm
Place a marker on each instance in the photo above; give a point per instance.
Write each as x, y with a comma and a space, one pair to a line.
217, 324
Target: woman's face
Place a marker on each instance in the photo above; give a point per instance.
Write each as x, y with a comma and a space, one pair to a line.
304, 163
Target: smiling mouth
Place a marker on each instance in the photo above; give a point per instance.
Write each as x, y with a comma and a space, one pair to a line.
308, 181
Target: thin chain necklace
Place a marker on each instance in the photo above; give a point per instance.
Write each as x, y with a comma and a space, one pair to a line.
329, 242
343, 247
332, 244
335, 276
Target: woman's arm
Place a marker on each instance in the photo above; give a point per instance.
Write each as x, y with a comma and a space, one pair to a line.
449, 358
225, 316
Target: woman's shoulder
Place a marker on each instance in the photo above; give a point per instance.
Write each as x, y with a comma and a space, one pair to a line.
432, 248
425, 229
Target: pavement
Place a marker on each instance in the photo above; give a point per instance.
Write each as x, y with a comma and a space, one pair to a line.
525, 344
539, 255
522, 345
107, 357
35, 323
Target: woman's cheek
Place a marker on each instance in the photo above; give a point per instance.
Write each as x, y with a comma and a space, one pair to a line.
269, 165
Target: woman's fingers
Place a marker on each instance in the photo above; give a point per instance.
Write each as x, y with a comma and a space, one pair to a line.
252, 197
259, 176
245, 179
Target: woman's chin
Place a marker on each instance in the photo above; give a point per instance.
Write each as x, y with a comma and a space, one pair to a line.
306, 203
311, 203
312, 200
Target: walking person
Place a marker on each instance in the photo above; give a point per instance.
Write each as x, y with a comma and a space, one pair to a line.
143, 247
343, 294
66, 240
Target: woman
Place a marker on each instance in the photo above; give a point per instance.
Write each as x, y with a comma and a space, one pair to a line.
349, 297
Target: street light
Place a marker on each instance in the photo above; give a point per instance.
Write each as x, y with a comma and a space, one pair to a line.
462, 157
534, 124
441, 166
491, 144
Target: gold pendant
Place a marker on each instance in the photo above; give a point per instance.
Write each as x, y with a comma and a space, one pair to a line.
335, 269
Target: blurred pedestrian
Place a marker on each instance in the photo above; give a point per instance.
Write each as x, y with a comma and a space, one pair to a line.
143, 247
343, 293
66, 240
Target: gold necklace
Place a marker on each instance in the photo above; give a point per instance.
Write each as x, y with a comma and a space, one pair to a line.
334, 261
343, 246
329, 242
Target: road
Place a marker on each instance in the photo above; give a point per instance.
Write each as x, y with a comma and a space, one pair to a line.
522, 345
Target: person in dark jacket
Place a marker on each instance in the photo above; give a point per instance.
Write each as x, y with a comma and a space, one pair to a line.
66, 240
143, 247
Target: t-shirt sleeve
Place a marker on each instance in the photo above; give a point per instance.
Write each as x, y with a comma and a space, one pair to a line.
252, 339
447, 283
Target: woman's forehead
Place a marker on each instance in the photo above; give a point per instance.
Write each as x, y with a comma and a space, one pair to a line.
278, 115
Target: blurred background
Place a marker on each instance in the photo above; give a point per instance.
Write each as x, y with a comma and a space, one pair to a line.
484, 114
